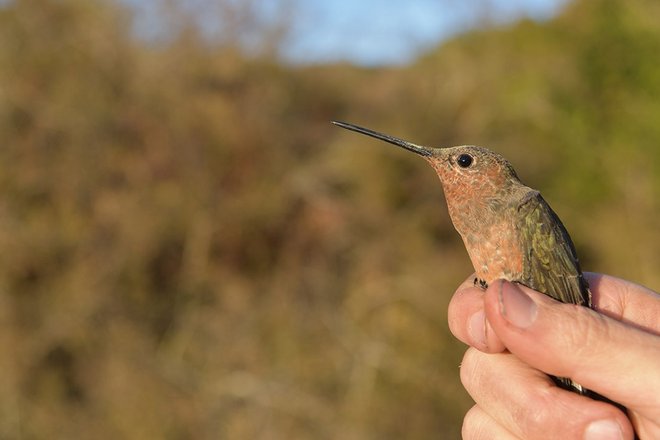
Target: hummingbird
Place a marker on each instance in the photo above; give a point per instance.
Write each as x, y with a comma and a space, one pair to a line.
509, 230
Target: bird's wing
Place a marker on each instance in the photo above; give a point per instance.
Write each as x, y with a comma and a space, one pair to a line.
550, 264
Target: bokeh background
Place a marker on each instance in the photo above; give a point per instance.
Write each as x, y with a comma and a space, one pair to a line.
189, 250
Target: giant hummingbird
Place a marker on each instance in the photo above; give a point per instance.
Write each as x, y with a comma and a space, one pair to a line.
509, 230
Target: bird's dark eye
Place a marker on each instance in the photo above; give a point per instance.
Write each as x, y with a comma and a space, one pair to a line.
464, 160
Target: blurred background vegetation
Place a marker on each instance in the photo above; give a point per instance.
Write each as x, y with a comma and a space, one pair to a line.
190, 250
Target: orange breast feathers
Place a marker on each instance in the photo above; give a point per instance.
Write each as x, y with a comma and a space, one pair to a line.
495, 252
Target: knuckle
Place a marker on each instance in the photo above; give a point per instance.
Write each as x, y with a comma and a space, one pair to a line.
473, 425
544, 416
536, 419
584, 334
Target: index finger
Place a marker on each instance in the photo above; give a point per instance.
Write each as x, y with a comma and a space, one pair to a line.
467, 320
625, 301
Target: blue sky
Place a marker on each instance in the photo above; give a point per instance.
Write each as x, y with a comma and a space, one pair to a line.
368, 32
393, 31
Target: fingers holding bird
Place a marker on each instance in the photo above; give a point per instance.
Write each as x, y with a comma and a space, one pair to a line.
514, 400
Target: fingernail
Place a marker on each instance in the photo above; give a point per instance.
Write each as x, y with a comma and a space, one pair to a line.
603, 430
477, 328
515, 306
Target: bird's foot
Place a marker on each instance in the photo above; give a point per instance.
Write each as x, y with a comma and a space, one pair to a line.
478, 282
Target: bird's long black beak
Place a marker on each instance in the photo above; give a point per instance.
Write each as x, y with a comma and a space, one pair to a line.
422, 151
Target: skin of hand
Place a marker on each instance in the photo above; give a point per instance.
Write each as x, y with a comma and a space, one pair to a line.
518, 335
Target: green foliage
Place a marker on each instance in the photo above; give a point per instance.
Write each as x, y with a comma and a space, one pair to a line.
191, 250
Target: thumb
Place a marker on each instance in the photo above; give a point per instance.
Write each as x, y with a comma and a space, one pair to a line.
612, 358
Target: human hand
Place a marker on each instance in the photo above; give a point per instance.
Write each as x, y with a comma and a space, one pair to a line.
615, 352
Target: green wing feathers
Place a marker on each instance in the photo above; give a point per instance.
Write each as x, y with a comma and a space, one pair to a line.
550, 264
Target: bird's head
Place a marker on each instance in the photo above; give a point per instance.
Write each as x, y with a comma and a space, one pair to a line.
469, 174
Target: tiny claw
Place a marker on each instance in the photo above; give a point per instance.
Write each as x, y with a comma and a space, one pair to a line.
478, 282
